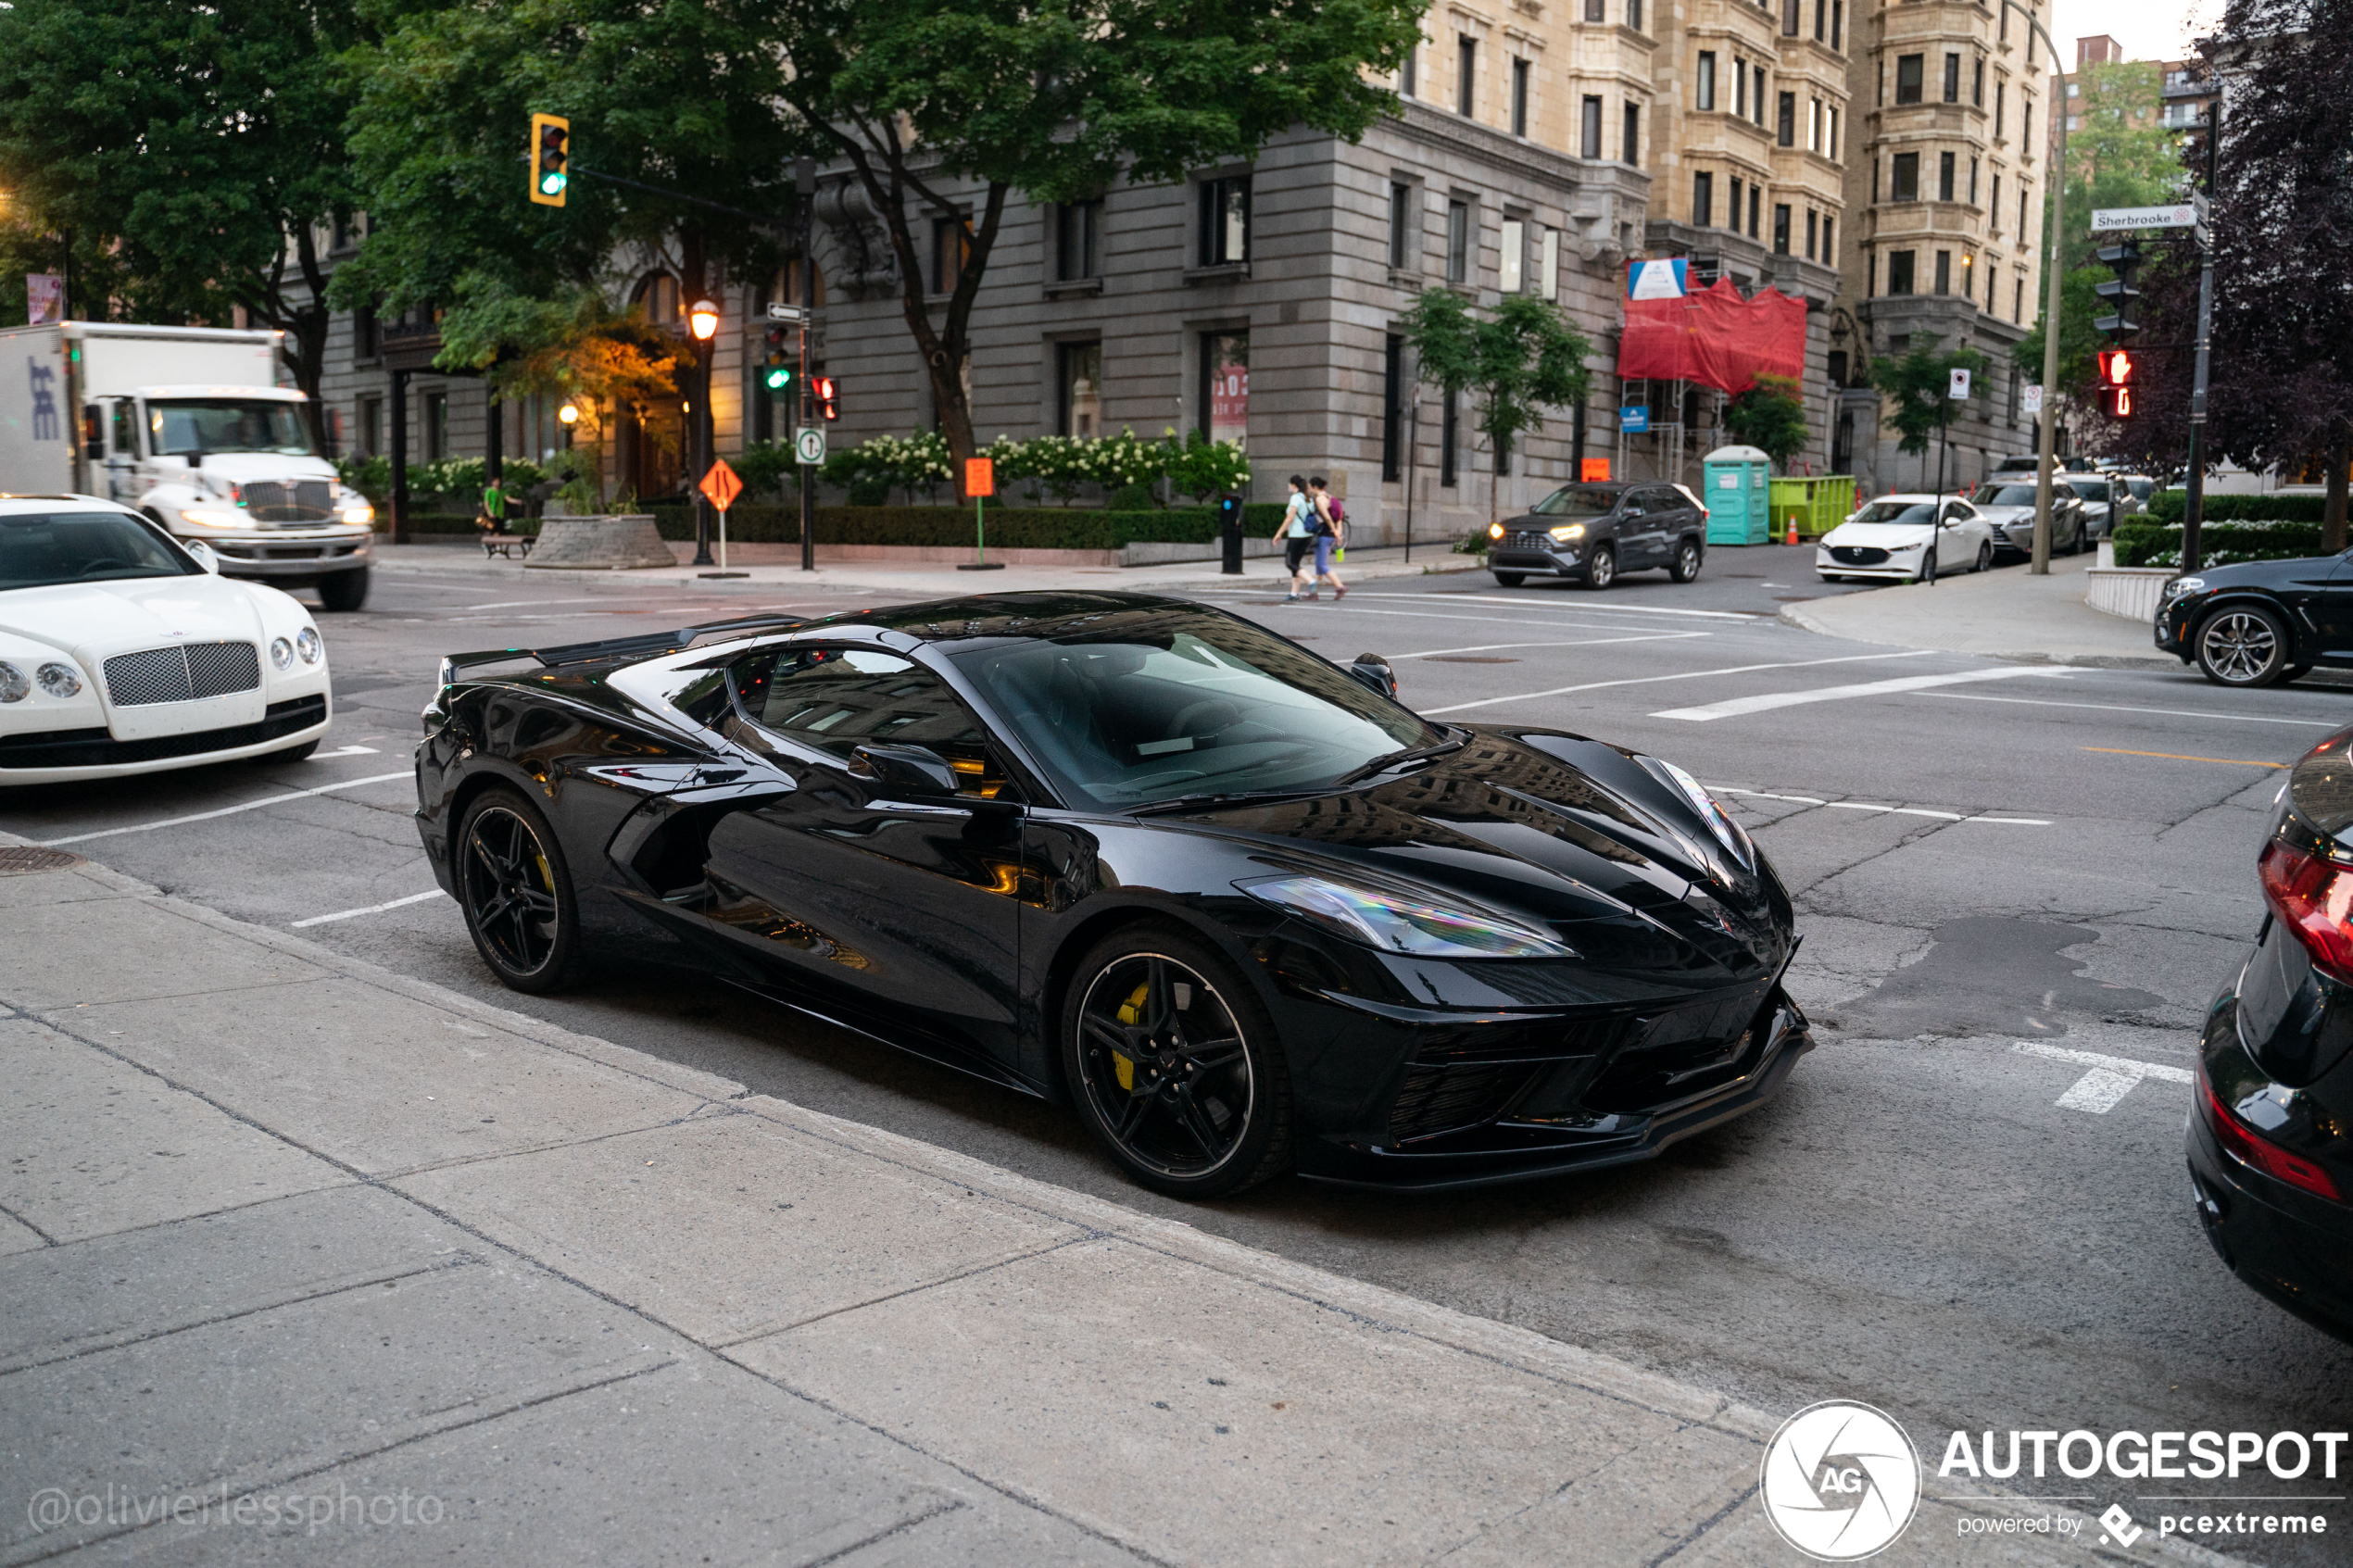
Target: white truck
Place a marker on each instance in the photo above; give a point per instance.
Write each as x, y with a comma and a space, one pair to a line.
188, 425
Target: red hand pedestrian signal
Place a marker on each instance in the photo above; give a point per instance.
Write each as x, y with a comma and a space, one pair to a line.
2116, 383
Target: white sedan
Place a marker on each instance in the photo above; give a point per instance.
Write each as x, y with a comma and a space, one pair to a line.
1887, 539
123, 651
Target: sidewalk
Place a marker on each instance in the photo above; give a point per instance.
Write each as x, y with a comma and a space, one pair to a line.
358, 1269
2006, 613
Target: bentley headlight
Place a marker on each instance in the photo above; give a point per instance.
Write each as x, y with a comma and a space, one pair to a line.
1397, 922
1730, 833
1569, 531
60, 680
282, 653
14, 688
307, 643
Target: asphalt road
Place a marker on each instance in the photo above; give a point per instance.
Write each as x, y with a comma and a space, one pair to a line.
1995, 864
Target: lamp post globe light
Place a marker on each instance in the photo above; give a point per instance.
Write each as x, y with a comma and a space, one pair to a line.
702, 319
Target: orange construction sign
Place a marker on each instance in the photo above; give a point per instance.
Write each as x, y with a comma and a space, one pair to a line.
722, 485
1592, 470
980, 476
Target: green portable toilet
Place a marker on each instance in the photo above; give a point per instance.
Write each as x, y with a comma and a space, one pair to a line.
1735, 498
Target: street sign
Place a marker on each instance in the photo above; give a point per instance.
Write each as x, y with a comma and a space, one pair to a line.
1956, 387
2030, 399
2183, 215
722, 485
1634, 420
809, 446
785, 312
980, 476
1592, 471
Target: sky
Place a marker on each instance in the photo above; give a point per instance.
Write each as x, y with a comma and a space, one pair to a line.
2150, 29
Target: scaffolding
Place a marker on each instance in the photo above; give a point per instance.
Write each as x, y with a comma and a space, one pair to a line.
1668, 441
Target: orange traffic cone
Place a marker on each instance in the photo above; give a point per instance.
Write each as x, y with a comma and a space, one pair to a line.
1792, 528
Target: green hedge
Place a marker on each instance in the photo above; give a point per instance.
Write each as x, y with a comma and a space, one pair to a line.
1011, 528
2220, 543
2168, 506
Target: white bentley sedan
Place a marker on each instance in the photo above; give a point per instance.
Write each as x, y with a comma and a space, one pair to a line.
1887, 539
123, 651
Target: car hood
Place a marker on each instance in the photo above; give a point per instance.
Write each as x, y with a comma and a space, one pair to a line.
1883, 535
2002, 517
92, 621
1572, 832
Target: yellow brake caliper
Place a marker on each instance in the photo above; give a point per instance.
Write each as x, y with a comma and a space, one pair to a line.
1129, 1012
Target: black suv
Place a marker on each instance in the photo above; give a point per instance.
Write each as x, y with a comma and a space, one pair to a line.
1593, 532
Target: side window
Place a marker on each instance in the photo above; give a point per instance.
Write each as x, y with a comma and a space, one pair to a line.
126, 429
835, 699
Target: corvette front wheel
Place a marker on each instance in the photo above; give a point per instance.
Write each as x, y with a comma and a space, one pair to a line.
516, 891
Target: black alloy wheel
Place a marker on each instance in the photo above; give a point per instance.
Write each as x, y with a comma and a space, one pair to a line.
1686, 565
1510, 579
1984, 557
517, 893
2242, 645
1601, 568
1174, 1065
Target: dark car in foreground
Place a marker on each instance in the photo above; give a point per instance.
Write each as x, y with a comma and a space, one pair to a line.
2260, 622
1590, 532
2271, 1137
1235, 903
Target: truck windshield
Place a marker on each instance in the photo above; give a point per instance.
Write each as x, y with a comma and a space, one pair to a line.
46, 549
227, 424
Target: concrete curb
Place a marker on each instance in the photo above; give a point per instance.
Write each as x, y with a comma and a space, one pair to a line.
1793, 616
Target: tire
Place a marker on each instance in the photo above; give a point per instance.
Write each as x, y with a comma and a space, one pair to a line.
1510, 579
344, 591
1173, 1064
2242, 645
1600, 569
1984, 556
516, 890
1685, 567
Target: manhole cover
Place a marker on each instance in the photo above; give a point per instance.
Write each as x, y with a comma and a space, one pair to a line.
29, 858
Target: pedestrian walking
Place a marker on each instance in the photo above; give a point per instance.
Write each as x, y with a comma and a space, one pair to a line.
1298, 534
1331, 523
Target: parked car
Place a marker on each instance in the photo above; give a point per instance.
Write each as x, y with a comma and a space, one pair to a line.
2270, 1162
2104, 502
1235, 903
2009, 510
122, 651
1592, 533
2260, 622
1887, 539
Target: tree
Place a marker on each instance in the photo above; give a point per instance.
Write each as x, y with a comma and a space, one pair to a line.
1056, 104
1917, 384
1523, 359
188, 153
1770, 417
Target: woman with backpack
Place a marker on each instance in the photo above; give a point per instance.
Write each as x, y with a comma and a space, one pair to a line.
1298, 534
1331, 536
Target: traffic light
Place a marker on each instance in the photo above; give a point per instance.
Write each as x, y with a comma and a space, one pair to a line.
828, 405
2116, 383
777, 374
2125, 257
550, 155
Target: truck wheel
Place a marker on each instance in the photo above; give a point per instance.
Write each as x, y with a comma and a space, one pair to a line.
345, 590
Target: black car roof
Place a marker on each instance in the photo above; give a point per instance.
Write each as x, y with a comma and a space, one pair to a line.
1042, 613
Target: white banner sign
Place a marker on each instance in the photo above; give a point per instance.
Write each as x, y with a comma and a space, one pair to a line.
44, 298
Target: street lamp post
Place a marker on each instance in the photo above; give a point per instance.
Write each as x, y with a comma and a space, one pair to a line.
702, 319
2056, 267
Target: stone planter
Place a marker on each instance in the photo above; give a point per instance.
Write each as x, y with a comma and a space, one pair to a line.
2127, 590
599, 544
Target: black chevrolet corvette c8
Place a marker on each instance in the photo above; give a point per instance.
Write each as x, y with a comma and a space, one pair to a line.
1235, 903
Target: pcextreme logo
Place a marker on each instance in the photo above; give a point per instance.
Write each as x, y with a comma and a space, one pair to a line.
1841, 1481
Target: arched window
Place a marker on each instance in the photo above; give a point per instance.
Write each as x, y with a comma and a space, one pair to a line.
658, 296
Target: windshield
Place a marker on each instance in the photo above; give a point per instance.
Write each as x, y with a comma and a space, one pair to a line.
1895, 512
2010, 495
1571, 500
2090, 489
227, 424
2141, 488
47, 548
1151, 705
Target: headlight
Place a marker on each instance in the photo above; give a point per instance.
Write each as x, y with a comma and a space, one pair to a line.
282, 653
307, 643
1397, 924
1569, 531
60, 680
1494, 530
2177, 586
14, 688
1730, 833
212, 516
359, 514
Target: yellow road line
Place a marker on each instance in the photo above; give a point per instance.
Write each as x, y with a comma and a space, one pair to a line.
2177, 756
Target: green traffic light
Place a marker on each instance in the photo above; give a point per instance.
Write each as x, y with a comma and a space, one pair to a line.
778, 378
551, 183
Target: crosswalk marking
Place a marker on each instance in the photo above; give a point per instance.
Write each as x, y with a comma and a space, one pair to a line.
1767, 701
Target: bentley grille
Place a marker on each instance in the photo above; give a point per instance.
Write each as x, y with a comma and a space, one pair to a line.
185, 673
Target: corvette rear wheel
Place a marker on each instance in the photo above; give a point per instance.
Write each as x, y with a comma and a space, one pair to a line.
517, 893
1174, 1066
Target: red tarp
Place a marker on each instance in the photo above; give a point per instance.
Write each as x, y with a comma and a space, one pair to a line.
1714, 337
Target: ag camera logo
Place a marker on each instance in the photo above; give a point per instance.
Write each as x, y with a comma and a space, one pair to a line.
1841, 1481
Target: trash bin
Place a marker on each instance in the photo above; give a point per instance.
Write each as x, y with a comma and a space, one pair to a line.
1819, 504
1735, 497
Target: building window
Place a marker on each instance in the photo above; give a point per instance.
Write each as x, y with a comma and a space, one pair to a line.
1813, 224
1511, 261
1401, 225
1972, 182
1703, 201
1793, 18
1830, 148
1780, 228
1594, 11
1838, 20
1630, 135
1078, 243
1225, 386
1406, 83
1821, 19
1813, 125
1943, 271
2021, 212
1837, 357
1994, 208
1392, 407
1755, 205
1079, 408
1458, 241
1952, 78
1760, 94
1548, 265
1977, 84
1903, 178
436, 426
1449, 429
1899, 272
1465, 72
1830, 249
1874, 182
2017, 302
2001, 102
1945, 177
951, 247
372, 427
1590, 131
1224, 221
1519, 97
1704, 80
1968, 276
1732, 209
1785, 120
1740, 87
1908, 77
1634, 14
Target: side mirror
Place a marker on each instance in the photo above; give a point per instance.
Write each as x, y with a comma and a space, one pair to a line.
195, 460
205, 555
916, 771
1374, 671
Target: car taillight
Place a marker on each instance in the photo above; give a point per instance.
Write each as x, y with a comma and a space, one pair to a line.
2313, 897
2244, 1144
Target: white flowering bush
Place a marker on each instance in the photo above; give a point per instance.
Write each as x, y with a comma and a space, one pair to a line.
1060, 466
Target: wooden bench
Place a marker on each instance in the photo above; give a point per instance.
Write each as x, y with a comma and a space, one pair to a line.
502, 543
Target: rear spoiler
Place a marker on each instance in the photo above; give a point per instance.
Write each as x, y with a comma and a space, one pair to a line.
645, 645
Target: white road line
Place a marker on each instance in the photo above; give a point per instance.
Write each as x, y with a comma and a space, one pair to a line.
228, 810
1545, 622
346, 751
1680, 675
1613, 607
1861, 806
2109, 1078
1580, 642
367, 910
2119, 707
1770, 701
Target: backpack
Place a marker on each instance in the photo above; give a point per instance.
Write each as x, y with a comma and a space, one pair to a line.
1330, 526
